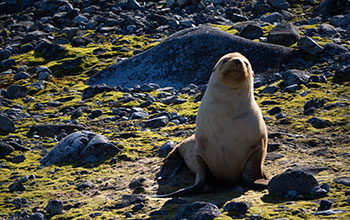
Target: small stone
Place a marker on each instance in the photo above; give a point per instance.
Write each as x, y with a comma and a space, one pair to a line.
319, 192
5, 149
284, 34
17, 186
237, 207
330, 212
95, 113
18, 159
272, 18
198, 210
7, 126
37, 216
54, 207
343, 180
16, 91
157, 122
85, 185
291, 89
279, 4
325, 205
165, 149
318, 123
269, 89
347, 192
291, 77
17, 202
21, 75
251, 32
274, 110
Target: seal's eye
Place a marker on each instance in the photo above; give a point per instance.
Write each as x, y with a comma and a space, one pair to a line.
225, 60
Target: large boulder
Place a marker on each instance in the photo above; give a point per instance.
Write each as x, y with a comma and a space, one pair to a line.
188, 56
82, 146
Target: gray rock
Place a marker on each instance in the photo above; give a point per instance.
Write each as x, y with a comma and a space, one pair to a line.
138, 113
80, 19
342, 73
299, 181
187, 49
344, 58
7, 126
5, 54
332, 49
251, 32
270, 89
95, 113
43, 75
260, 7
237, 207
291, 77
284, 34
50, 130
7, 63
165, 149
94, 90
274, 110
309, 46
54, 207
325, 205
17, 186
16, 91
85, 185
198, 211
80, 146
279, 4
291, 89
272, 18
17, 202
343, 180
342, 21
330, 212
157, 122
132, 4
318, 123
128, 200
21, 75
333, 7
182, 3
48, 50
316, 103
18, 159
326, 29
37, 216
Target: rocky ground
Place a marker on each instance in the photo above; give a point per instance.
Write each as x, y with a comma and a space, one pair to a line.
49, 49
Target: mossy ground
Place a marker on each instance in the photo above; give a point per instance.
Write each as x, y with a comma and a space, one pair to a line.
299, 142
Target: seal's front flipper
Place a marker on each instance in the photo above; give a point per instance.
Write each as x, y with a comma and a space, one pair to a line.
171, 166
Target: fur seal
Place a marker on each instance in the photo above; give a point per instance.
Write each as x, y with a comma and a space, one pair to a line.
230, 141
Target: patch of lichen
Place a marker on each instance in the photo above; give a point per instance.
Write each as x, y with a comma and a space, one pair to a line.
226, 28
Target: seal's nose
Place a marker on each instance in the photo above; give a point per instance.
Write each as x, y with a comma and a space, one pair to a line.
237, 61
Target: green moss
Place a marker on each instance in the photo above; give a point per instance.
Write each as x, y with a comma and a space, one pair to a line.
226, 28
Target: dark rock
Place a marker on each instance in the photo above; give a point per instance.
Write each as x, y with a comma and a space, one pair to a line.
128, 200
18, 159
309, 46
16, 91
17, 202
137, 182
165, 149
279, 4
272, 18
96, 113
342, 73
284, 34
5, 54
85, 185
274, 110
7, 126
50, 130
132, 5
318, 123
21, 75
273, 156
234, 208
313, 103
342, 21
270, 89
344, 57
343, 180
5, 149
80, 146
297, 181
330, 212
17, 186
138, 113
7, 63
251, 32
48, 50
336, 105
54, 207
183, 52
333, 7
291, 77
157, 122
198, 211
332, 49
291, 89
325, 205
94, 90
260, 7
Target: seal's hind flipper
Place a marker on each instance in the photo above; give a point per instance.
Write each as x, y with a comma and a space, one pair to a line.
197, 187
171, 166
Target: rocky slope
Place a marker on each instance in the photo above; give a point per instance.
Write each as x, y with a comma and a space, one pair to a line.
49, 49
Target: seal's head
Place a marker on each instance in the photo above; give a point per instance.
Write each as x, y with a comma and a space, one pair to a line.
234, 70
